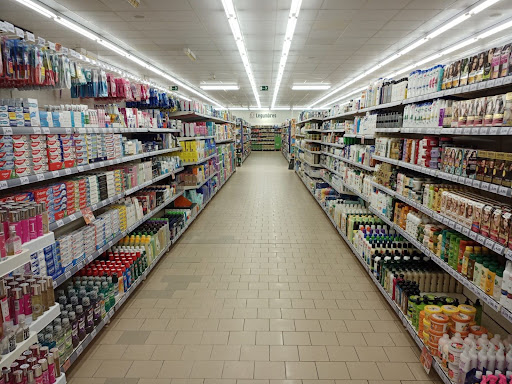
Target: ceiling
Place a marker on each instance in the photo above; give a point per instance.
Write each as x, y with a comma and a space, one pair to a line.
334, 40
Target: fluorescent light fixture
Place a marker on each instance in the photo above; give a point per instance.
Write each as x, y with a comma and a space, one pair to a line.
436, 32
181, 96
304, 87
220, 87
238, 108
230, 11
76, 28
290, 30
37, 8
114, 48
492, 31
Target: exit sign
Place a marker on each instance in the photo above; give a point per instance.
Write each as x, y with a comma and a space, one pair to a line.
264, 88
174, 88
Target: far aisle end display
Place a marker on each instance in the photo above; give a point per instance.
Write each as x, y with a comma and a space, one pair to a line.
265, 138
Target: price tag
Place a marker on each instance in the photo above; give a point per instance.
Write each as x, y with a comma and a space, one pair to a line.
46, 130
93, 333
493, 131
41, 41
72, 217
102, 163
29, 36
467, 131
79, 350
465, 231
67, 274
64, 50
458, 227
476, 183
67, 171
110, 243
69, 131
502, 190
498, 248
458, 131
55, 173
483, 130
489, 243
80, 168
485, 186
461, 180
40, 176
493, 188
19, 32
51, 45
482, 85
504, 131
468, 182
7, 131
499, 81
24, 180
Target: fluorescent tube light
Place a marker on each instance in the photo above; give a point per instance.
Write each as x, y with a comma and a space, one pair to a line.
114, 48
238, 108
305, 87
76, 28
230, 11
290, 30
37, 8
436, 32
220, 87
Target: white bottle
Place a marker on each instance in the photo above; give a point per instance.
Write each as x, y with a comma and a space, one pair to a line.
500, 359
457, 338
464, 365
508, 359
496, 340
482, 358
483, 341
470, 340
473, 354
491, 359
442, 342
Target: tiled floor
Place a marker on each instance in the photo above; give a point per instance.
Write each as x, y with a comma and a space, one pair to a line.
260, 290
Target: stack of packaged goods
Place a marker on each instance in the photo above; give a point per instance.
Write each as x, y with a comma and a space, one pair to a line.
72, 248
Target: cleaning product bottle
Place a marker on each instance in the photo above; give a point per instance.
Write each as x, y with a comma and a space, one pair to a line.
473, 354
482, 358
496, 340
508, 360
464, 365
500, 358
483, 340
442, 342
491, 358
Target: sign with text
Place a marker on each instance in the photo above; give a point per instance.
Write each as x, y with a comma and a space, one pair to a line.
174, 88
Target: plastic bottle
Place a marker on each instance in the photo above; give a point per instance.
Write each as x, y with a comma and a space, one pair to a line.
457, 338
500, 359
482, 358
464, 365
470, 340
483, 341
491, 359
508, 360
80, 315
445, 340
473, 354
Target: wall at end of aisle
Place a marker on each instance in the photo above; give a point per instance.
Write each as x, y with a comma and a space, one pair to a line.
267, 117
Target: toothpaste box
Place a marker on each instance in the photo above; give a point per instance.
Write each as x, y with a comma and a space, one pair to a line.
4, 164
23, 171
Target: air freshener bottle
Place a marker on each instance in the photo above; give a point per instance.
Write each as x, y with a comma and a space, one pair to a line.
13, 243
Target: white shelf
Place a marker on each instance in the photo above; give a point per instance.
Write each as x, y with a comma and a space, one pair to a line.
10, 263
195, 138
200, 161
36, 327
77, 215
362, 166
493, 188
25, 180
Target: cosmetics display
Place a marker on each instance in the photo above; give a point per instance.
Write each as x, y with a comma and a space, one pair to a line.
38, 364
352, 151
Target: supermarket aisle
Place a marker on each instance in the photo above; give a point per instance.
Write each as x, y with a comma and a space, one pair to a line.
260, 287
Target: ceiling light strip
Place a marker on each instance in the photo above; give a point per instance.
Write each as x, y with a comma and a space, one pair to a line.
230, 11
304, 87
50, 13
470, 40
436, 32
290, 30
220, 87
